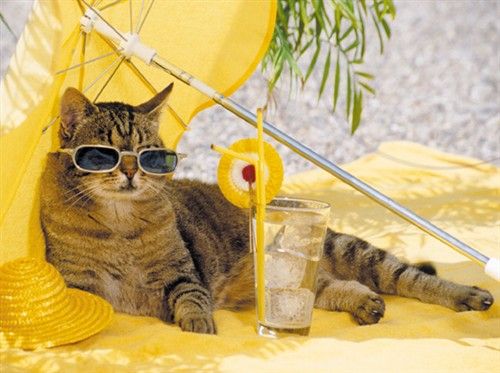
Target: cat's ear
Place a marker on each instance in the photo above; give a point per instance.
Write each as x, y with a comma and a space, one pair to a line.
154, 106
74, 107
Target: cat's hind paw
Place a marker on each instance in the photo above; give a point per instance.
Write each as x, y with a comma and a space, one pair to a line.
370, 310
472, 298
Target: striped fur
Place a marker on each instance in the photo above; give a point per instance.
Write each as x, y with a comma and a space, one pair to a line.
354, 273
176, 249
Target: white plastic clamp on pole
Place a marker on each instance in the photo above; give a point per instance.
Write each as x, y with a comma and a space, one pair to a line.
88, 20
91, 21
492, 268
130, 44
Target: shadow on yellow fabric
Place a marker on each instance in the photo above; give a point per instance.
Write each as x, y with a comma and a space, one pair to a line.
411, 337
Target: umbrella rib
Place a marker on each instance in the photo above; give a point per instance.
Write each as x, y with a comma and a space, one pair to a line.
76, 43
86, 62
81, 7
140, 15
101, 74
53, 120
110, 4
94, 4
81, 76
146, 16
44, 129
141, 76
177, 117
104, 20
130, 16
109, 79
153, 90
132, 66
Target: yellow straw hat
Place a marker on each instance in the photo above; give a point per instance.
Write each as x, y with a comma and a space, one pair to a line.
38, 310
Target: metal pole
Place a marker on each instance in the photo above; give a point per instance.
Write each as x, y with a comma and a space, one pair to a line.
323, 163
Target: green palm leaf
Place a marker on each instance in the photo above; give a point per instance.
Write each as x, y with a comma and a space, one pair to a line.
314, 29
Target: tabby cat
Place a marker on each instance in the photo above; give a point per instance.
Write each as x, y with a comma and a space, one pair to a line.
176, 249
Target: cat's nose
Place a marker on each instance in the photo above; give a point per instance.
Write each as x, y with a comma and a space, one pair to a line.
129, 166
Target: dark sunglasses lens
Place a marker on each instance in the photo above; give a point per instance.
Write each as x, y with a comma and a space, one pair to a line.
158, 161
92, 158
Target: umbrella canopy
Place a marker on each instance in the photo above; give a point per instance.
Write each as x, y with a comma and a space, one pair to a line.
219, 42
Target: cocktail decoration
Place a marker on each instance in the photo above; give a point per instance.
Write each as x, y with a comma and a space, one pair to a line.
250, 174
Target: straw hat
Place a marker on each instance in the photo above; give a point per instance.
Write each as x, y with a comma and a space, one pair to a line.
37, 310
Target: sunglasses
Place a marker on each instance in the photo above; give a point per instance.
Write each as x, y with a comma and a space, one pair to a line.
103, 158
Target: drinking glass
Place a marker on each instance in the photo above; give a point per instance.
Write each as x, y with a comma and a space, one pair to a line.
294, 234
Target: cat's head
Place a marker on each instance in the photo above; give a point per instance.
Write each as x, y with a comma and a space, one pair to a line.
123, 126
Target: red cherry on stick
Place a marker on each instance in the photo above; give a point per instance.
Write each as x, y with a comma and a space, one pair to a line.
248, 173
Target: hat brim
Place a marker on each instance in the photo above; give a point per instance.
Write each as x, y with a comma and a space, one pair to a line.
84, 315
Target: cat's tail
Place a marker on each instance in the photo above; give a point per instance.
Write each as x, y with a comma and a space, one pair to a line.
426, 267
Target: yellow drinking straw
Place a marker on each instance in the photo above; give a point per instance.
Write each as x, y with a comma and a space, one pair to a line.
260, 218
260, 207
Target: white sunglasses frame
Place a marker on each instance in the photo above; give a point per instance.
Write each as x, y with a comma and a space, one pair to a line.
121, 153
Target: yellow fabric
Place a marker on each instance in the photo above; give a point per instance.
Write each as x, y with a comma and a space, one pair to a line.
221, 43
412, 337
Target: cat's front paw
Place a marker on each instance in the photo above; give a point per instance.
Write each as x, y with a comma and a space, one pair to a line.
472, 298
370, 309
197, 323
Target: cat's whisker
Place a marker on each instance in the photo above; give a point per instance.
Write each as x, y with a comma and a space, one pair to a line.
78, 189
73, 196
150, 187
164, 188
75, 188
84, 193
87, 195
70, 191
158, 192
76, 200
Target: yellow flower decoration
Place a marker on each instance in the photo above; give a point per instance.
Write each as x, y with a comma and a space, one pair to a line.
235, 176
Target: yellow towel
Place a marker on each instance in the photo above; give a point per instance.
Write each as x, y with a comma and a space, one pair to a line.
412, 337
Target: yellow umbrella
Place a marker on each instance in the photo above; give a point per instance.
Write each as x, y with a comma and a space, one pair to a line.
221, 42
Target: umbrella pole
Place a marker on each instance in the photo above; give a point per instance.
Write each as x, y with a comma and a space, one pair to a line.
323, 163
